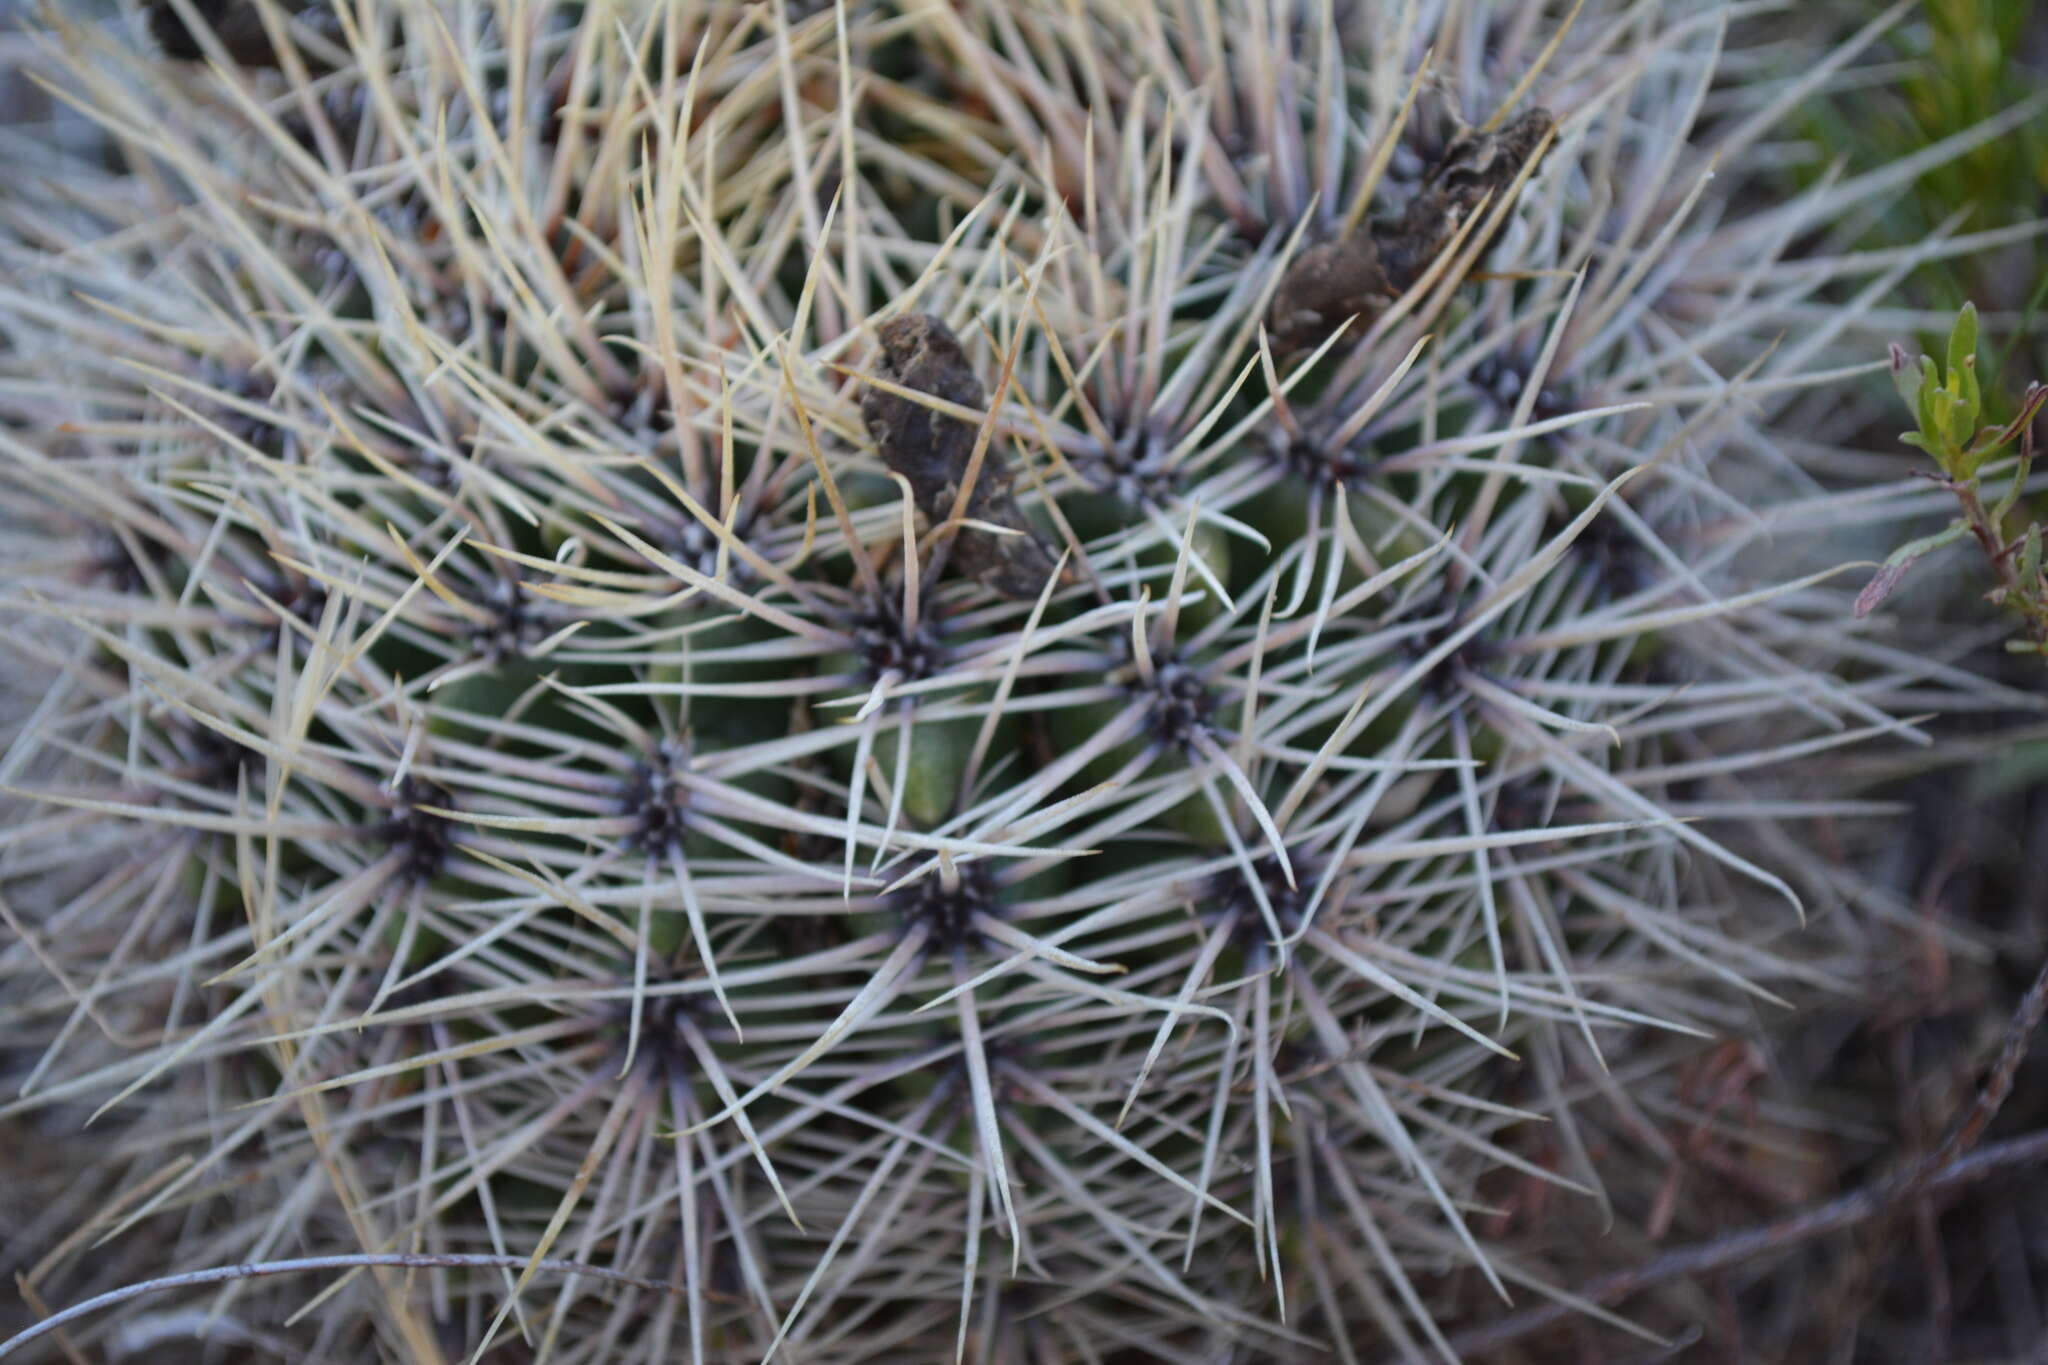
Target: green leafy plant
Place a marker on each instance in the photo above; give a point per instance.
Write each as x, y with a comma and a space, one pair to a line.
1968, 82
1947, 403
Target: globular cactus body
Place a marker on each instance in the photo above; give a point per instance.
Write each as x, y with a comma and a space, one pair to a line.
867, 664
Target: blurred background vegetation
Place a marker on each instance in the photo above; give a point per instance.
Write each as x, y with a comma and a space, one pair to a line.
1946, 68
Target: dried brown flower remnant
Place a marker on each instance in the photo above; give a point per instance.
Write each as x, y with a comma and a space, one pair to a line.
1325, 285
1359, 275
239, 26
932, 450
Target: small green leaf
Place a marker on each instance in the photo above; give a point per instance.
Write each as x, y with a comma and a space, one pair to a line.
1930, 392
1905, 377
1940, 430
1962, 425
2030, 559
1902, 559
1962, 341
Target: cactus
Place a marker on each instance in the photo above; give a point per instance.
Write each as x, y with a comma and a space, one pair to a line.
956, 680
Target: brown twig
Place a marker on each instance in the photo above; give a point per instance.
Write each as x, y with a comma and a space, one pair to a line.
1707, 1257
1952, 1165
2023, 597
2019, 1032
